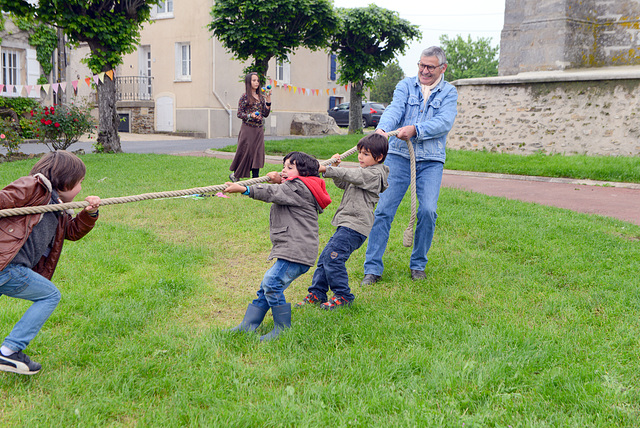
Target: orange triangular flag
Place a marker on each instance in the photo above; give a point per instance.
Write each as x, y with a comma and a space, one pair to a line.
88, 80
110, 74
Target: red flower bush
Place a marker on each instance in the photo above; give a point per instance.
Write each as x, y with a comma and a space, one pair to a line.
60, 126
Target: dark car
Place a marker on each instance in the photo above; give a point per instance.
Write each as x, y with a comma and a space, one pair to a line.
371, 113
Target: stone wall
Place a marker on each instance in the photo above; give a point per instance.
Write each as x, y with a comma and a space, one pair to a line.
543, 35
595, 112
141, 115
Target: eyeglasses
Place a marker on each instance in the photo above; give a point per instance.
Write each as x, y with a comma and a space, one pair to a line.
429, 67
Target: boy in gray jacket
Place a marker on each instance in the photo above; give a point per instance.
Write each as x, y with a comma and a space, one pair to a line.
298, 195
353, 219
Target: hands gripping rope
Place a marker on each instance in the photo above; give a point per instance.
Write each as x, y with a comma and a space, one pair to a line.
408, 234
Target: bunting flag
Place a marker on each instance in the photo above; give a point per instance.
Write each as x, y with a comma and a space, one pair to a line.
95, 79
19, 89
101, 77
10, 88
28, 88
46, 88
110, 74
63, 86
74, 83
88, 80
54, 86
1, 88
38, 88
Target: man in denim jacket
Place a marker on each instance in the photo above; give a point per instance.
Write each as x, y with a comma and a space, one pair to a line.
423, 110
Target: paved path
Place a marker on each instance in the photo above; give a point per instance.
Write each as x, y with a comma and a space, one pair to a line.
618, 200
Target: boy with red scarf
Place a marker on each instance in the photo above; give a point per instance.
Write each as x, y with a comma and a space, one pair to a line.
298, 195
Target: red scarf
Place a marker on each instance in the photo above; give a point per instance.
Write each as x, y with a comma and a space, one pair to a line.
318, 189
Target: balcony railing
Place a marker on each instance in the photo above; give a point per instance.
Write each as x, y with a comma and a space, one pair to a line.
134, 88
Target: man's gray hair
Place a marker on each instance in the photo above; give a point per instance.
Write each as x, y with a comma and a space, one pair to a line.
437, 52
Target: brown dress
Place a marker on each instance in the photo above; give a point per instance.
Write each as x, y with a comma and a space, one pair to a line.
250, 152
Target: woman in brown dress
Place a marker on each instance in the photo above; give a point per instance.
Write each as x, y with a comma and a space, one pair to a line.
253, 107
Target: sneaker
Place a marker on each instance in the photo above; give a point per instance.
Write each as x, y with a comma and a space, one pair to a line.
311, 299
18, 362
232, 177
335, 302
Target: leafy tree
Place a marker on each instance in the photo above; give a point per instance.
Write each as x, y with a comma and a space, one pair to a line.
385, 83
111, 28
469, 58
267, 29
368, 38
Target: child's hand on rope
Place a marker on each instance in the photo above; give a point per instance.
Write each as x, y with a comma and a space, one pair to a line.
337, 159
274, 177
234, 188
94, 203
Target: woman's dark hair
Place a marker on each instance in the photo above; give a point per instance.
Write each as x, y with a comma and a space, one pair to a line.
376, 144
305, 164
247, 85
62, 168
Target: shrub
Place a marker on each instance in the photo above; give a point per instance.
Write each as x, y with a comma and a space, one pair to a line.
60, 126
10, 137
21, 105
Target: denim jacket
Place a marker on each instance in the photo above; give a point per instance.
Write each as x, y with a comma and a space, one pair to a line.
432, 123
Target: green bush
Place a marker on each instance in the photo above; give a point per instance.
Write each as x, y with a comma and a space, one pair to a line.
10, 137
21, 105
60, 126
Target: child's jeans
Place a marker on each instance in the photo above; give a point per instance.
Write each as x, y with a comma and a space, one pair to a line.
276, 280
331, 272
22, 283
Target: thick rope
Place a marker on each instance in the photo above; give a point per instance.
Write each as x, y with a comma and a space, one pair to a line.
407, 240
143, 197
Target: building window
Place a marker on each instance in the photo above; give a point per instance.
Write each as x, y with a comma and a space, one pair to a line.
283, 71
10, 67
164, 9
183, 61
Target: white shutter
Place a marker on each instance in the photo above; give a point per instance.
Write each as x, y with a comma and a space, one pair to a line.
33, 70
286, 70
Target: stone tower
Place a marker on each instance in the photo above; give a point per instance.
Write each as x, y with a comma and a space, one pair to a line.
541, 35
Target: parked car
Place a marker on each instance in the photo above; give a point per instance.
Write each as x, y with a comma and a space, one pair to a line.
371, 113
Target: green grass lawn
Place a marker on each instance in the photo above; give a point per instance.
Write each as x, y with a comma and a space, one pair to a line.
529, 317
605, 168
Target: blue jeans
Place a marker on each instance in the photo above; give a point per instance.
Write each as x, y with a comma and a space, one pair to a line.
331, 272
22, 283
275, 281
428, 179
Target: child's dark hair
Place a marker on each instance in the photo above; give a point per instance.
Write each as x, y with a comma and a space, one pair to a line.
62, 168
305, 164
376, 144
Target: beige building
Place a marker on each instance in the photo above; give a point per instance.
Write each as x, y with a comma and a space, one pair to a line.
183, 78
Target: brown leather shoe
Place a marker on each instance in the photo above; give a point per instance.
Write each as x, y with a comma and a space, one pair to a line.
370, 278
418, 275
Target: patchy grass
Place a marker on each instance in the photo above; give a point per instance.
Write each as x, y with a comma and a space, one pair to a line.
528, 317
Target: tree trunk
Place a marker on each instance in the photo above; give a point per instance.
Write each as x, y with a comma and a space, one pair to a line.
108, 117
355, 108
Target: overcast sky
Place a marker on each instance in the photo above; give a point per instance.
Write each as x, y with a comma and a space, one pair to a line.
451, 17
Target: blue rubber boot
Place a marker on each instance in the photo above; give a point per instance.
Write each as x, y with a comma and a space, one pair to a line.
281, 320
252, 319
